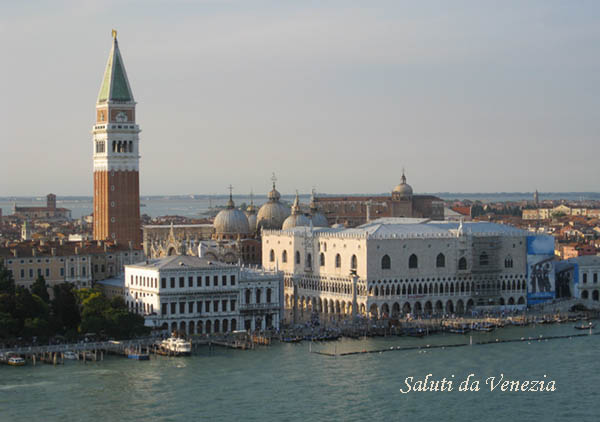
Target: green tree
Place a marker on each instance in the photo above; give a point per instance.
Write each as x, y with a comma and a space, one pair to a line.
65, 308
40, 288
7, 283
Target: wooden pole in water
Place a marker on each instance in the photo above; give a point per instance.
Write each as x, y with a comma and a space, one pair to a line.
33, 357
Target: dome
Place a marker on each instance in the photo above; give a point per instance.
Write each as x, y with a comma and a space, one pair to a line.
272, 214
251, 222
318, 219
231, 221
297, 219
403, 189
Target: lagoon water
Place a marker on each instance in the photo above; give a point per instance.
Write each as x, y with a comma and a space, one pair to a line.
285, 382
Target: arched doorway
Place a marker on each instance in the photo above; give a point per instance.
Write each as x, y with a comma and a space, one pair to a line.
470, 304
439, 307
374, 311
449, 307
460, 307
406, 308
395, 310
511, 301
200, 327
428, 308
385, 310
418, 308
595, 295
192, 327
208, 327
182, 327
521, 301
233, 324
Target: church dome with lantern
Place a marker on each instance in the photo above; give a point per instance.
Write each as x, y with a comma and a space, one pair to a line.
231, 222
273, 213
403, 190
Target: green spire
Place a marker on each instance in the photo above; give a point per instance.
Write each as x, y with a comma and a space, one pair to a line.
115, 86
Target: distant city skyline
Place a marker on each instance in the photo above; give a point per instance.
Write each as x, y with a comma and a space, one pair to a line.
467, 96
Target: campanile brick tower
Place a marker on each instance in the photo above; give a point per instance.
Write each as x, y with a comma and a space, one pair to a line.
116, 157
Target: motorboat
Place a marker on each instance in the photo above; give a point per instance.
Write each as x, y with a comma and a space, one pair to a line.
175, 347
70, 355
16, 361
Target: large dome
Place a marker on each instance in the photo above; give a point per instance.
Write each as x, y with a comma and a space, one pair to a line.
251, 215
403, 189
272, 214
231, 221
297, 219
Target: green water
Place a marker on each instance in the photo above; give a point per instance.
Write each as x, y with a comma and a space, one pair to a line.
285, 382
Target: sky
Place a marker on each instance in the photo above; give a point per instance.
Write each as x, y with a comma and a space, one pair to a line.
467, 96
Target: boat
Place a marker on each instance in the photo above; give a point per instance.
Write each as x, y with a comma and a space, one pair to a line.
70, 355
138, 355
175, 347
291, 339
585, 326
459, 330
416, 332
16, 361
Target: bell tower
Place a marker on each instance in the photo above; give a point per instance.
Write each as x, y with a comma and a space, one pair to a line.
116, 157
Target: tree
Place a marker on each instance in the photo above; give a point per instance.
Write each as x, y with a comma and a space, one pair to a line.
64, 308
40, 288
7, 283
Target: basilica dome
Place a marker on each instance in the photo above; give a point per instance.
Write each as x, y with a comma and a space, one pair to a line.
231, 222
403, 190
273, 213
251, 216
297, 219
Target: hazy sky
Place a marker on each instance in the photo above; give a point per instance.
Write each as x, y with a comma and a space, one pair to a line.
466, 95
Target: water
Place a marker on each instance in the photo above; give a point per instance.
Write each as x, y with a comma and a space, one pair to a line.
286, 382
156, 206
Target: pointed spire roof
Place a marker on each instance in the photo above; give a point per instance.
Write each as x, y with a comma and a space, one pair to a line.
115, 85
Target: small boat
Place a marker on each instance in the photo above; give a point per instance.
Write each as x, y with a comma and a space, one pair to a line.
138, 356
585, 326
16, 361
291, 339
459, 330
416, 332
70, 355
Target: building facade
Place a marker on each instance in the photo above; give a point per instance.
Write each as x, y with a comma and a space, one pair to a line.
197, 296
49, 212
116, 157
393, 267
352, 211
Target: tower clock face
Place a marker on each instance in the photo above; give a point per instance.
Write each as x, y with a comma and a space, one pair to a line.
121, 116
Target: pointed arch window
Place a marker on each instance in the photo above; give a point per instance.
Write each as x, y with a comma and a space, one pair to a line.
284, 256
462, 263
386, 262
353, 262
338, 261
309, 261
322, 259
440, 261
508, 262
413, 261
272, 256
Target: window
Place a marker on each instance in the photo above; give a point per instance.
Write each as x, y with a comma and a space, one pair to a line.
268, 295
173, 308
83, 271
224, 306
190, 281
181, 282
284, 256
163, 283
224, 280
440, 261
508, 262
462, 263
595, 277
216, 306
258, 294
233, 280
164, 309
297, 258
72, 272
172, 282
62, 272
413, 261
386, 262
216, 280
182, 307
322, 259
353, 262
338, 261
272, 256
199, 281
232, 307
199, 307
309, 261
207, 281
207, 306
191, 307
483, 259
585, 277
